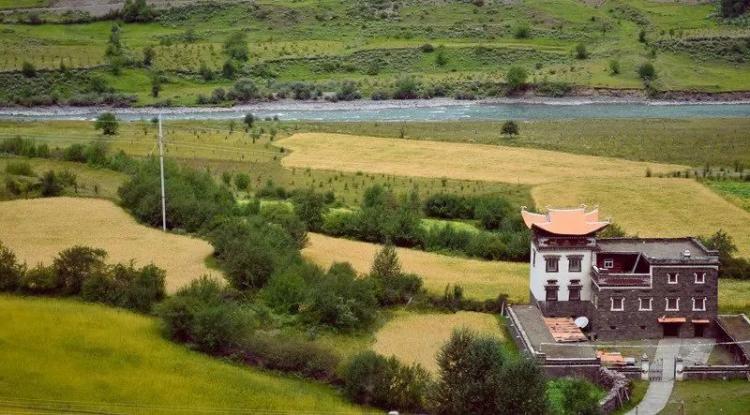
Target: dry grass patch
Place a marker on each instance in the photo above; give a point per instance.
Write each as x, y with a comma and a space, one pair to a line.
480, 279
653, 207
417, 338
463, 161
38, 229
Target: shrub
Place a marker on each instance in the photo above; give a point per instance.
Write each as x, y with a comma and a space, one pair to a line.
137, 11
570, 396
10, 270
581, 52
341, 300
51, 185
614, 67
289, 354
393, 286
509, 128
236, 47
310, 207
492, 211
427, 48
448, 206
283, 216
74, 265
348, 92
241, 181
244, 90
19, 168
107, 122
372, 379
287, 289
39, 280
522, 32
406, 88
516, 77
28, 70
228, 70
149, 54
647, 71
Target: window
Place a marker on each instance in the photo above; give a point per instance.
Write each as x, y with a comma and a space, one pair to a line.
609, 263
700, 277
645, 304
533, 260
672, 278
574, 263
574, 290
618, 304
699, 304
551, 290
552, 262
673, 304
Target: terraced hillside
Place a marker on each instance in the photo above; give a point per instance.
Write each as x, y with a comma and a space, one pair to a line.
306, 50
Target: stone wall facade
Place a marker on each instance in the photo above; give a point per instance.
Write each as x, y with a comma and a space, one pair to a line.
635, 323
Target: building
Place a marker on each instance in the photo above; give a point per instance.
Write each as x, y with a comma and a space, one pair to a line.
627, 288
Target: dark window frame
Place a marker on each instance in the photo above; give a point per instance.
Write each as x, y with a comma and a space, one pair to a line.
552, 259
578, 259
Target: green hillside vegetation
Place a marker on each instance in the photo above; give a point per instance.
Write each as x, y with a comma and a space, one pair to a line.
306, 50
64, 355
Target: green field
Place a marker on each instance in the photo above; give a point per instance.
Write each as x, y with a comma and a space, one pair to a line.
60, 355
734, 191
375, 43
709, 397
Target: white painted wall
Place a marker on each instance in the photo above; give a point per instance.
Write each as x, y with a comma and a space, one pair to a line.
538, 275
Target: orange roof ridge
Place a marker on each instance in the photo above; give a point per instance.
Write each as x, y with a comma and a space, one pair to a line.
572, 221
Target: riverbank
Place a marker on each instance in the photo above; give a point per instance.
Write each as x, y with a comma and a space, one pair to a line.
438, 109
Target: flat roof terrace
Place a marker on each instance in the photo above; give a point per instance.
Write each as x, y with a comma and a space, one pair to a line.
669, 250
531, 323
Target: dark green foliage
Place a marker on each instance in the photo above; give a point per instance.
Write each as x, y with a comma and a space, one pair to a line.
478, 377
440, 58
614, 67
107, 122
733, 8
310, 207
510, 128
647, 72
28, 70
642, 36
249, 120
283, 216
287, 290
516, 77
236, 47
206, 73
243, 90
731, 266
205, 315
23, 147
407, 87
39, 280
348, 92
341, 300
393, 286
612, 231
75, 265
449, 206
290, 354
241, 181
581, 52
494, 212
10, 270
374, 380
193, 197
571, 396
522, 31
126, 286
149, 54
229, 69
51, 185
75, 153
552, 89
137, 11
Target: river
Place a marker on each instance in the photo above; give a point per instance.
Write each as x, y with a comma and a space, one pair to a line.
418, 110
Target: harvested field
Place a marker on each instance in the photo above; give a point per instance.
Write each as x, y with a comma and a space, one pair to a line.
417, 338
480, 279
653, 206
37, 229
425, 158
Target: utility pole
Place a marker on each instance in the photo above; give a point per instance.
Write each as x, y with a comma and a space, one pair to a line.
161, 169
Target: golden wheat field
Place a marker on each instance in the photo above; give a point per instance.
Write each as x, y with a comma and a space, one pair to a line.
37, 229
424, 158
417, 338
654, 206
479, 279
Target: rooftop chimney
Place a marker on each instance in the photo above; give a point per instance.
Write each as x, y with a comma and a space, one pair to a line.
686, 253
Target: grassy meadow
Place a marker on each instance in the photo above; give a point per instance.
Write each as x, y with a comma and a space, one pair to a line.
66, 356
417, 337
37, 229
374, 44
703, 397
461, 161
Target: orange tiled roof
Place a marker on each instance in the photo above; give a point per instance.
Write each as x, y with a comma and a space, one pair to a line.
565, 221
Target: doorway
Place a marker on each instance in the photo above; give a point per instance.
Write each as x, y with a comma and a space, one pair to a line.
699, 328
671, 329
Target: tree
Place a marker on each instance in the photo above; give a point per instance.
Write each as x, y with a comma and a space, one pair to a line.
509, 128
722, 242
107, 122
581, 52
137, 11
236, 47
406, 88
206, 73
241, 181
492, 211
28, 70
249, 120
156, 81
229, 70
244, 90
516, 77
10, 270
149, 54
51, 185
647, 72
310, 207
74, 265
386, 263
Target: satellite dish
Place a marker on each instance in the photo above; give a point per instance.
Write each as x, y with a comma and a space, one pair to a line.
582, 322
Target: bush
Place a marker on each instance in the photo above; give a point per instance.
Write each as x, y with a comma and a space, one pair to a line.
236, 47
393, 286
289, 354
107, 122
581, 52
492, 211
287, 290
19, 168
137, 11
516, 77
10, 270
348, 92
241, 181
243, 90
406, 88
427, 48
522, 32
28, 70
448, 206
310, 207
570, 396
372, 379
510, 128
614, 67
647, 72
341, 300
74, 265
39, 280
51, 185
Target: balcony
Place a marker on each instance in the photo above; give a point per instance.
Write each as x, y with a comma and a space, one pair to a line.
564, 242
604, 278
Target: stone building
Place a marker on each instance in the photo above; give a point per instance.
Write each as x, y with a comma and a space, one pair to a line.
627, 288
